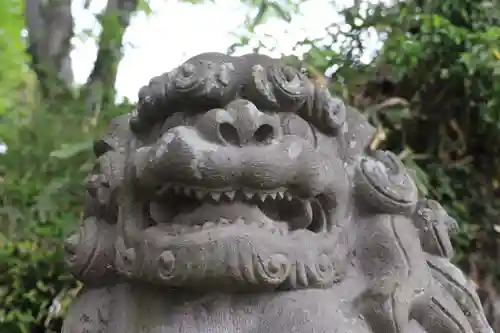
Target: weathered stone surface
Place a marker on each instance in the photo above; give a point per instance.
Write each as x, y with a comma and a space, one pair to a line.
242, 197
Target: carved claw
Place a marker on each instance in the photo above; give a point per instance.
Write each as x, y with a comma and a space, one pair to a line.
439, 313
433, 224
461, 290
388, 313
457, 301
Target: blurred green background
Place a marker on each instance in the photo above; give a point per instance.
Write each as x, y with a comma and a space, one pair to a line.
425, 73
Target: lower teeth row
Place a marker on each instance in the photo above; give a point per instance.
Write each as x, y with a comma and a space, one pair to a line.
179, 229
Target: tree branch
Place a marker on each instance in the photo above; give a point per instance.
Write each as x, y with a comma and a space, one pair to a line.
99, 88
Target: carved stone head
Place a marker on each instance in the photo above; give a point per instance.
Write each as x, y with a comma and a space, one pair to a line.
234, 171
239, 174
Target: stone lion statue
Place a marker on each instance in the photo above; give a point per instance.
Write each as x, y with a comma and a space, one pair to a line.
240, 196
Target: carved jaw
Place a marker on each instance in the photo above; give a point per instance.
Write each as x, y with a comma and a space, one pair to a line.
268, 238
235, 244
182, 209
219, 214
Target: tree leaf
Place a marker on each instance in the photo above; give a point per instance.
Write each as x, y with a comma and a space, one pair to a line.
69, 150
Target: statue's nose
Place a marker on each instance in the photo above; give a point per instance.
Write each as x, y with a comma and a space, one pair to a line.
242, 124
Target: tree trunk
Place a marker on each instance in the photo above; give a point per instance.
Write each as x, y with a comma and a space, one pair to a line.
50, 29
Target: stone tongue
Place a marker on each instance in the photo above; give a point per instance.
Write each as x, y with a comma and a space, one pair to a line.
213, 212
298, 213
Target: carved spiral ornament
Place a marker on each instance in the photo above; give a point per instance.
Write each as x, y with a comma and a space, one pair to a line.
203, 79
125, 259
292, 88
186, 79
90, 252
80, 246
279, 86
324, 273
272, 86
166, 265
329, 113
274, 269
151, 99
321, 271
287, 89
102, 186
382, 181
261, 89
98, 183
175, 267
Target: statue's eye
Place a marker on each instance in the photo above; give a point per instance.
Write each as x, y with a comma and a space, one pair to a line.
293, 124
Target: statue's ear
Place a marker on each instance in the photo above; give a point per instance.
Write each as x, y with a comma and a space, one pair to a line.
357, 133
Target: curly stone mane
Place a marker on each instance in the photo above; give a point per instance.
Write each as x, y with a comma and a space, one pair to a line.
213, 80
239, 182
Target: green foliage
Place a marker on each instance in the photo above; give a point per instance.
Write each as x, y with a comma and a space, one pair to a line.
259, 12
41, 200
438, 107
444, 61
35, 287
13, 59
41, 197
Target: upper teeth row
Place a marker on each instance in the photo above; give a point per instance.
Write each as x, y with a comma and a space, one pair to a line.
200, 193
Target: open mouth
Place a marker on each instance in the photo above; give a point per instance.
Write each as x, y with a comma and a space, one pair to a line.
181, 209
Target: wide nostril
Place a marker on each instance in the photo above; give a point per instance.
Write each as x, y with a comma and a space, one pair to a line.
264, 134
229, 134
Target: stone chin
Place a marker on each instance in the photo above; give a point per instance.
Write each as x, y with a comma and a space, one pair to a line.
235, 196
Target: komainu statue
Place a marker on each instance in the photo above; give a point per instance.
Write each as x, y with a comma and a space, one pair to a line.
242, 197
